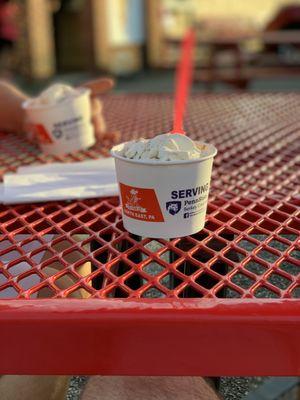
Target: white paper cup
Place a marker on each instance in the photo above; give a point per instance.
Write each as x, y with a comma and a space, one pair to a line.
164, 199
64, 127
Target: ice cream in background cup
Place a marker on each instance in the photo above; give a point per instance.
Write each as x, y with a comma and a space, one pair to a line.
164, 184
61, 119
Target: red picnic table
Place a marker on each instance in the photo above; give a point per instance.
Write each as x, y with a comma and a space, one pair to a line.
224, 301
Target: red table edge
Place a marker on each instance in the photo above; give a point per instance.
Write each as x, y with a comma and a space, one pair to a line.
121, 337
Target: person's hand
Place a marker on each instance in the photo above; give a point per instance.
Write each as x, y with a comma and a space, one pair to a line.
98, 87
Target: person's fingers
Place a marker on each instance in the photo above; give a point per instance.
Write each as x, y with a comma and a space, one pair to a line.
96, 107
99, 125
99, 86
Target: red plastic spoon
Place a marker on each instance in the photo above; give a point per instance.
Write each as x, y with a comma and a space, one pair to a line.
183, 80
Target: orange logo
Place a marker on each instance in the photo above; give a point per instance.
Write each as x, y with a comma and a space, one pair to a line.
139, 203
42, 134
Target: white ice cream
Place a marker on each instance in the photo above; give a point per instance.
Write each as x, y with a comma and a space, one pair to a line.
166, 147
54, 94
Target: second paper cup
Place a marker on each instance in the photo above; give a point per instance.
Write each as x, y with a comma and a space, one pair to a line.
64, 127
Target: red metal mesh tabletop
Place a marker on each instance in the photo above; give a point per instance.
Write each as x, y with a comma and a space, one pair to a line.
232, 288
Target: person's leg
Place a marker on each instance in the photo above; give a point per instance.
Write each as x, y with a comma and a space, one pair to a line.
33, 387
148, 388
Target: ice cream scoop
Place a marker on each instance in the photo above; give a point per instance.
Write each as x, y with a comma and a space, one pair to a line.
165, 147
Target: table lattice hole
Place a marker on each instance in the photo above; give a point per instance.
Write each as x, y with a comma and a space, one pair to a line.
3, 279
247, 245
45, 292
57, 264
268, 201
242, 280
290, 267
153, 269
278, 217
24, 209
97, 226
120, 268
30, 246
14, 226
228, 292
104, 255
267, 256
260, 209
29, 281
87, 217
154, 246
203, 255
170, 281
42, 255
239, 225
120, 226
288, 234
296, 254
278, 245
109, 234
206, 280
268, 225
102, 209
255, 267
135, 281
153, 292
117, 293
233, 209
227, 234
187, 268
6, 216
218, 202
216, 244
9, 256
8, 292
122, 245
169, 256
137, 256
5, 244
73, 255
221, 267
234, 255
263, 292
65, 281
190, 292
20, 267
185, 244
279, 281
296, 292
295, 201
251, 217
212, 226
41, 226
223, 216
35, 216
244, 202
113, 216
76, 209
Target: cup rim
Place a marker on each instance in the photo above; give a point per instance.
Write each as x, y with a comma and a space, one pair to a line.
27, 104
212, 153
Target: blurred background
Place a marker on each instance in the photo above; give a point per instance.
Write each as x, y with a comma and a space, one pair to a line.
242, 45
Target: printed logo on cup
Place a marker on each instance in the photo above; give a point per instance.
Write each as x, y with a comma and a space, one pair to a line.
173, 207
140, 203
42, 134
